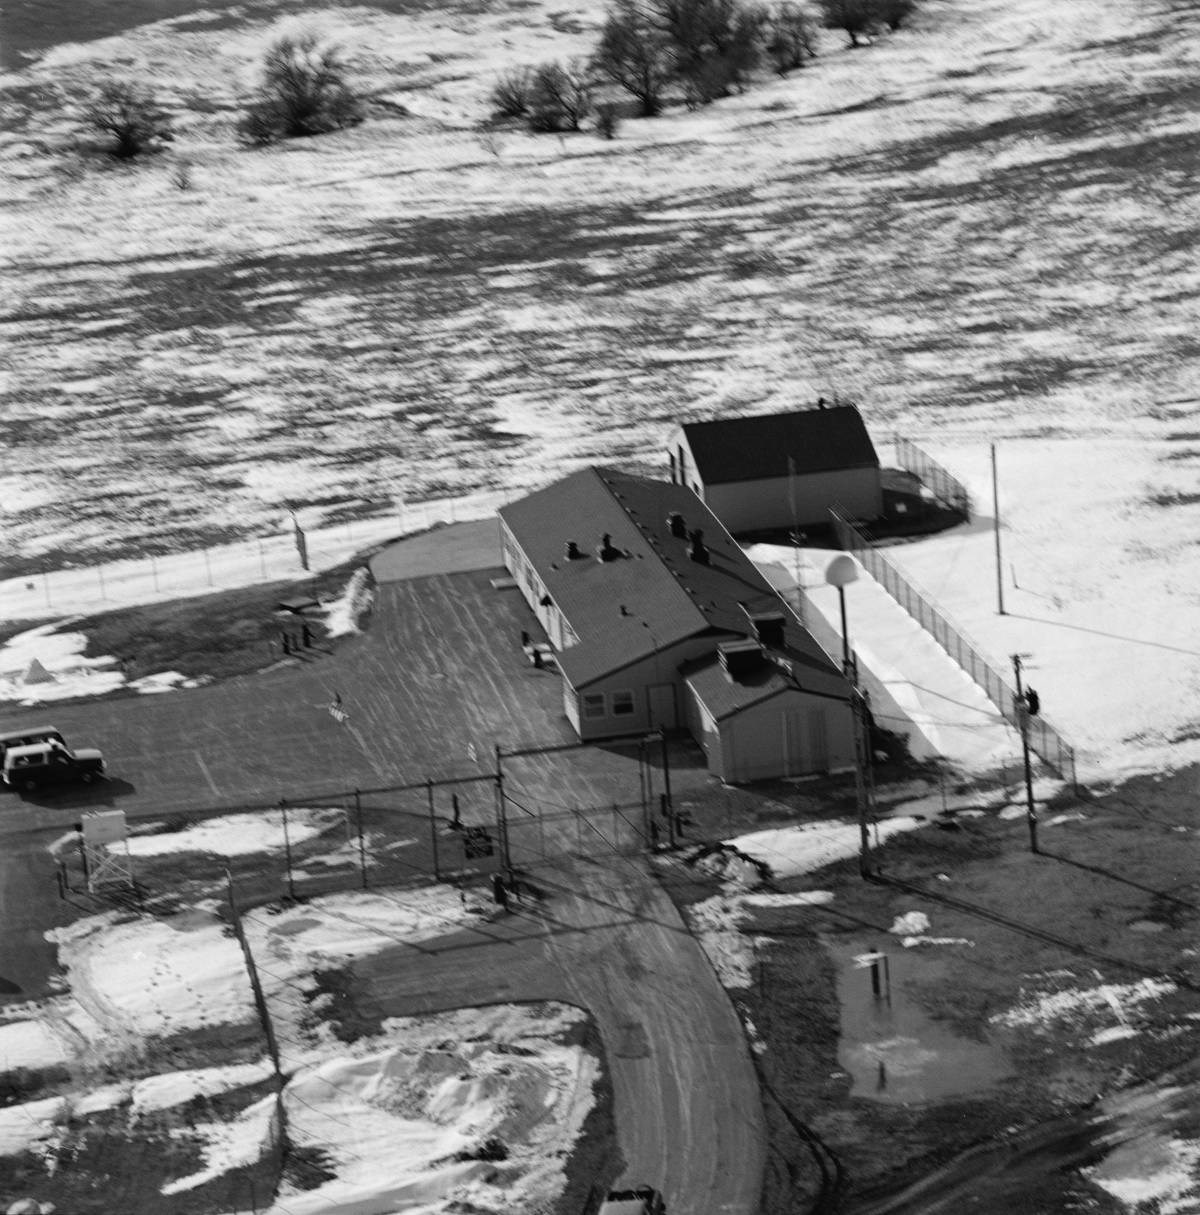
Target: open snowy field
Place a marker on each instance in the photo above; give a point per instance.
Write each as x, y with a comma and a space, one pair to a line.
981, 225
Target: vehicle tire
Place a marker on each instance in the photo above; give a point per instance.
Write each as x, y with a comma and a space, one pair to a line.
30, 786
87, 777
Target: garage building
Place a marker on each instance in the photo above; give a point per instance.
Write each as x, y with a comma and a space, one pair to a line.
777, 471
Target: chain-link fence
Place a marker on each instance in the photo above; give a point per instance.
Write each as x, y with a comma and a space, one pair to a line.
452, 830
946, 487
1044, 739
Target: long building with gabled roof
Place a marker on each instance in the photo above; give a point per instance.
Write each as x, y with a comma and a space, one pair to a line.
657, 618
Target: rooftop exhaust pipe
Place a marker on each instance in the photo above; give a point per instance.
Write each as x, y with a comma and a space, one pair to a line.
697, 550
606, 552
573, 553
676, 524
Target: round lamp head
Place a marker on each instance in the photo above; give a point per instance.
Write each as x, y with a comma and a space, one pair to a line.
842, 570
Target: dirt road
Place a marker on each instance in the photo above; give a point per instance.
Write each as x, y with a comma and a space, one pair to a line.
688, 1115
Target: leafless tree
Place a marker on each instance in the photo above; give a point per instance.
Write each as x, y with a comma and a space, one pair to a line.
893, 13
561, 97
128, 117
790, 39
635, 54
715, 43
856, 17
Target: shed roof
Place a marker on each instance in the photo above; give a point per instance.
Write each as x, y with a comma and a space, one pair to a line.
761, 447
651, 597
793, 667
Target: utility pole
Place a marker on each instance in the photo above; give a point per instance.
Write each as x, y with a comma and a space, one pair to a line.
996, 529
1022, 711
502, 817
864, 786
666, 772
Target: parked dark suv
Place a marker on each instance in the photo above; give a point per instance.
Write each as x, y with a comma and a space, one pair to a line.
51, 763
644, 1200
27, 737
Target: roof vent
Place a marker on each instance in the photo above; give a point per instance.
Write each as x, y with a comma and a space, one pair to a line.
606, 551
573, 553
740, 658
697, 550
676, 524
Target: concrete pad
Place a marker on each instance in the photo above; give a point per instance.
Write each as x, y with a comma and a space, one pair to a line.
446, 548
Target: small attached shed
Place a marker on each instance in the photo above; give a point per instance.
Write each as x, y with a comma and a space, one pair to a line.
782, 470
760, 715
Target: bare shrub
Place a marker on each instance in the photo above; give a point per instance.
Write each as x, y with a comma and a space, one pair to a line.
181, 174
607, 120
510, 94
128, 118
489, 140
304, 92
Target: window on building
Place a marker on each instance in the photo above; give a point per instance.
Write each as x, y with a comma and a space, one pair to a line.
593, 705
622, 704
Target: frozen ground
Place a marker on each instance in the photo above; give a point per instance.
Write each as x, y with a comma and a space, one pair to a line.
406, 1119
235, 834
979, 226
47, 663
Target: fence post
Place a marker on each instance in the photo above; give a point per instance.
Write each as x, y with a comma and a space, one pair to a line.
287, 850
362, 843
433, 828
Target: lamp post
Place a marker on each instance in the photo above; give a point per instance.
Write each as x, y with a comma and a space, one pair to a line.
840, 572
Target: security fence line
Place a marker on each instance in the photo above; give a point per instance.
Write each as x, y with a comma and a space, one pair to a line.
947, 488
452, 829
1055, 752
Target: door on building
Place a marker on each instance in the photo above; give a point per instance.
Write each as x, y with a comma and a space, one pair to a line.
793, 743
662, 706
818, 741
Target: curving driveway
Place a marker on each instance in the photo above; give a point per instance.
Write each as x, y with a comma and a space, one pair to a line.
436, 682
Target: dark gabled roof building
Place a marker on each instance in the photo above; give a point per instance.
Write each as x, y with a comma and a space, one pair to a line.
775, 471
657, 618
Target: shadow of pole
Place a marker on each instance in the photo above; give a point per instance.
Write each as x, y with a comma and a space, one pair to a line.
1100, 871
1081, 628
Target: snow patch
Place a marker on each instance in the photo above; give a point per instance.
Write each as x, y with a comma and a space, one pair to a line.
1042, 1008
805, 847
342, 615
238, 834
29, 1044
910, 923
